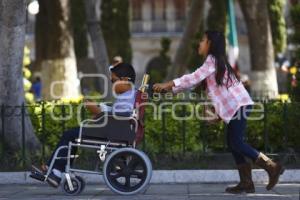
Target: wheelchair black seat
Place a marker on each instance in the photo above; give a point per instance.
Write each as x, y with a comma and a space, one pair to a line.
110, 128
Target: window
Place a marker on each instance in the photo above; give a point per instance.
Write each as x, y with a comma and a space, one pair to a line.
159, 9
136, 6
180, 7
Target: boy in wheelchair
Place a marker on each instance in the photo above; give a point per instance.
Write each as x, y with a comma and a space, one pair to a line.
123, 78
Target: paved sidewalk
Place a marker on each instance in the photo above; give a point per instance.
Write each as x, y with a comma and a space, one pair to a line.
170, 176
154, 192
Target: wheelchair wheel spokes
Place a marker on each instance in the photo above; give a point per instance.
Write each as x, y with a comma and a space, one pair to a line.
138, 174
116, 176
134, 162
122, 171
120, 163
129, 177
127, 181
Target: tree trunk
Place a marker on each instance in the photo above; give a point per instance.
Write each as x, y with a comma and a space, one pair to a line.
79, 29
217, 15
115, 20
98, 43
55, 50
184, 49
12, 40
263, 77
278, 24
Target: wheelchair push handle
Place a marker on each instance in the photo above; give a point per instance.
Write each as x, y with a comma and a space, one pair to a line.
145, 83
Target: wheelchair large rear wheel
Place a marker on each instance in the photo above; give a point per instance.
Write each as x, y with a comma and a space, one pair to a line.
127, 171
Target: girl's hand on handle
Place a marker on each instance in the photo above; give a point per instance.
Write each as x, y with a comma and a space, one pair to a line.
163, 87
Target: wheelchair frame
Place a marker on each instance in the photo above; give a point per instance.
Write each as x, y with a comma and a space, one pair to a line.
73, 184
102, 147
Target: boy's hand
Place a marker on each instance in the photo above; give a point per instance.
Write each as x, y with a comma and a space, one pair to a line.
162, 87
87, 100
92, 106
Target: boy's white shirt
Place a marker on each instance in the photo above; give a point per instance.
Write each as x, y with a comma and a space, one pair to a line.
105, 108
124, 102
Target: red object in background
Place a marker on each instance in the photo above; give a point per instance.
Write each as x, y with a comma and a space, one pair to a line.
294, 2
294, 81
141, 97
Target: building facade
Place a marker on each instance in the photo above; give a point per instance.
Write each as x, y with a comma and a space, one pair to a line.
150, 21
153, 19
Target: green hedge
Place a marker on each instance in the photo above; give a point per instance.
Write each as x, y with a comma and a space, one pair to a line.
180, 144
281, 126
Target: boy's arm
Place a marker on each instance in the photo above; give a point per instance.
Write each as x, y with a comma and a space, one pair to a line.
92, 107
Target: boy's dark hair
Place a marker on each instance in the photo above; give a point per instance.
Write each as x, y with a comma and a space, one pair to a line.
124, 70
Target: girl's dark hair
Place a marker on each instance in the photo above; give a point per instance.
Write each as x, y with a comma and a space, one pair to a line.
218, 51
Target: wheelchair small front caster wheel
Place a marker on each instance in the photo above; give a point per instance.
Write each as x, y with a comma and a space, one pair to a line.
82, 181
74, 187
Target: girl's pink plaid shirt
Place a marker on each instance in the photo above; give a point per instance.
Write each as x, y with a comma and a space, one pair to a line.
226, 100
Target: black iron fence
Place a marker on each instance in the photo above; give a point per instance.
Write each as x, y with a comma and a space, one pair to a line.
277, 132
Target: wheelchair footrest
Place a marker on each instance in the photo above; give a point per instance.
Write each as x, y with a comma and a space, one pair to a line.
37, 175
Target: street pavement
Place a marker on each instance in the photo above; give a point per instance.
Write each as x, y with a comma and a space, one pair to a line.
154, 192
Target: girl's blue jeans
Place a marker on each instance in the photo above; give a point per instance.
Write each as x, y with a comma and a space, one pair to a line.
236, 137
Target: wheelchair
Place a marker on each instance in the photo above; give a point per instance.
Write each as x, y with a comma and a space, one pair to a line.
126, 170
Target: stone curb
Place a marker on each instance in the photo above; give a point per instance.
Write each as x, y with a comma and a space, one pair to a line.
170, 176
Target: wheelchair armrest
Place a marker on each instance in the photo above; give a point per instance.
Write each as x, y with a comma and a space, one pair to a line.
86, 121
136, 123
